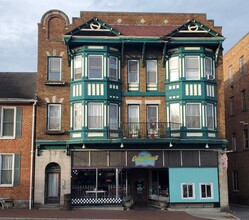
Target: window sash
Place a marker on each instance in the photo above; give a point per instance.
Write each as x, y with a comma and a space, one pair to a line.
206, 191
188, 191
193, 116
54, 117
8, 122
113, 68
133, 68
152, 116
151, 71
77, 118
95, 66
77, 67
230, 70
54, 69
133, 117
192, 67
7, 167
173, 69
113, 117
208, 66
210, 116
245, 138
95, 115
174, 116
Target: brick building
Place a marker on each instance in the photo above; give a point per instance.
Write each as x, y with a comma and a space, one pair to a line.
130, 104
236, 69
17, 106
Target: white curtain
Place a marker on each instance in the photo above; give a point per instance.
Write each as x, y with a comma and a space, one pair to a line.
113, 116
54, 117
7, 165
95, 113
173, 69
192, 68
175, 116
77, 116
151, 70
133, 117
193, 115
53, 185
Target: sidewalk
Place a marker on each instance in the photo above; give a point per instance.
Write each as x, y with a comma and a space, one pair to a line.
90, 214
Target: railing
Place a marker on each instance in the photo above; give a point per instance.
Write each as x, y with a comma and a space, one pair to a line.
143, 130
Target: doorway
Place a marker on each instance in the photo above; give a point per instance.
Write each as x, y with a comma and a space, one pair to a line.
139, 185
52, 183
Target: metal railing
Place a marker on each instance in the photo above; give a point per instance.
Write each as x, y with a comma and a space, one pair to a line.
143, 129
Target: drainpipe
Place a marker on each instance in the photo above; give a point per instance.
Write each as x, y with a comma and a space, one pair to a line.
32, 155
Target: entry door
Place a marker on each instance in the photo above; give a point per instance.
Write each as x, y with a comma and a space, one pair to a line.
139, 184
53, 193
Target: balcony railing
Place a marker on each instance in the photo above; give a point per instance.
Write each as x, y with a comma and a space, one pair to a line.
143, 130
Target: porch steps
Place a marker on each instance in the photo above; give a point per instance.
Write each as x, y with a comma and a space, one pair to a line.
50, 207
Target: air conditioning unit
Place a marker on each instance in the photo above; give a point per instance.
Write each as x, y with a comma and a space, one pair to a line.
210, 77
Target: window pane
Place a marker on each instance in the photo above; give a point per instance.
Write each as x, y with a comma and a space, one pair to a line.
77, 67
54, 117
175, 116
173, 69
8, 122
133, 71
193, 116
113, 68
95, 66
54, 69
77, 116
192, 68
113, 116
6, 169
152, 117
151, 71
190, 191
208, 66
95, 115
210, 116
133, 117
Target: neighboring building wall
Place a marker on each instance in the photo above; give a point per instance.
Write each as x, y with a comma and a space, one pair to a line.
19, 193
236, 76
47, 157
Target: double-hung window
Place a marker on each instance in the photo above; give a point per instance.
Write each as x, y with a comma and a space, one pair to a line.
151, 71
113, 68
54, 117
77, 116
243, 100
193, 115
234, 142
95, 66
77, 67
209, 68
133, 117
192, 67
230, 72
113, 116
174, 116
10, 122
245, 138
206, 190
173, 69
210, 116
133, 71
188, 191
152, 117
95, 115
54, 68
235, 179
231, 106
9, 169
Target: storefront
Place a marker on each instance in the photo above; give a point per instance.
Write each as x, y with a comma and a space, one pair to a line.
106, 177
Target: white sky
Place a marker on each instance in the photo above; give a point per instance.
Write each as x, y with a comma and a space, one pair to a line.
19, 18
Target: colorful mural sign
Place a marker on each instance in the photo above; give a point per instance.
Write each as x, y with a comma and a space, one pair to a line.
145, 159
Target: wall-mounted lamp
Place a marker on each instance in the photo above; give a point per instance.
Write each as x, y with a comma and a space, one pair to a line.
83, 146
207, 146
121, 145
170, 144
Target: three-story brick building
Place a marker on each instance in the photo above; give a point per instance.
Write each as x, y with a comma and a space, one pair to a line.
130, 104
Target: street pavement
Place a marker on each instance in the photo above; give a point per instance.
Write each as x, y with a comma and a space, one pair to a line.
147, 213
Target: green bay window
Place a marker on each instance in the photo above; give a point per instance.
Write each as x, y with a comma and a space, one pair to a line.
208, 67
210, 116
113, 117
174, 116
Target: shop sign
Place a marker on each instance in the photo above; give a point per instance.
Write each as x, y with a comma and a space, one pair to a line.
145, 159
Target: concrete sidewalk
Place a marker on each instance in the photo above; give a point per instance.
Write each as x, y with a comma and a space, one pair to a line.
90, 214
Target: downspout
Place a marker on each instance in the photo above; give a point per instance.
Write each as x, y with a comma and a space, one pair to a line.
32, 155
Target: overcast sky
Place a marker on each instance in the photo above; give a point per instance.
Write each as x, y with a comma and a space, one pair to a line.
19, 18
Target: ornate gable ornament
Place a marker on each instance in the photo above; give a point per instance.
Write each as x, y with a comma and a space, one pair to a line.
94, 27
